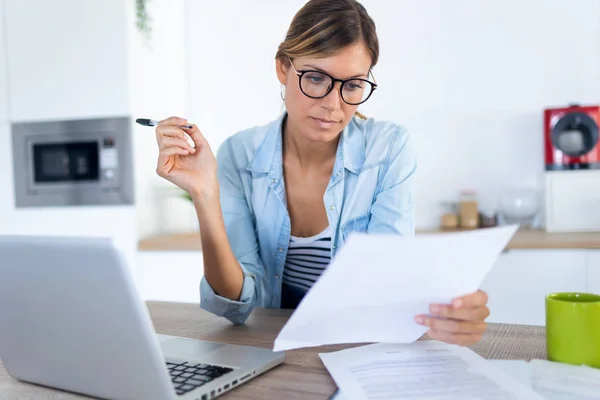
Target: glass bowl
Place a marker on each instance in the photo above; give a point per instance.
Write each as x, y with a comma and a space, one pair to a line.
519, 206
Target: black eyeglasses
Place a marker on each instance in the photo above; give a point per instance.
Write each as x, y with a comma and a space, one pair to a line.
318, 84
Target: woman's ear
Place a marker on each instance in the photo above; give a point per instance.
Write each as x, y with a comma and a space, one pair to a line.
281, 70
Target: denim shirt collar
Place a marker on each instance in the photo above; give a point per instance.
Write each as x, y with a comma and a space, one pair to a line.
268, 158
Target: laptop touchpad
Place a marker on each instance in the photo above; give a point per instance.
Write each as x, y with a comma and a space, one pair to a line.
188, 348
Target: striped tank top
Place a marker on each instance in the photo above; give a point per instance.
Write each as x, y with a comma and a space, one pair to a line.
306, 259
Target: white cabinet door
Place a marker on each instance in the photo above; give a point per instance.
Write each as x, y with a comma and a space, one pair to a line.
170, 275
67, 59
3, 81
569, 199
6, 181
593, 271
520, 280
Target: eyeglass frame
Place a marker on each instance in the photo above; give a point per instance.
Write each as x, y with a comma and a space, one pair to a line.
333, 81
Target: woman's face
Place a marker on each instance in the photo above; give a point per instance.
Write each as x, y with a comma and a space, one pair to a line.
321, 120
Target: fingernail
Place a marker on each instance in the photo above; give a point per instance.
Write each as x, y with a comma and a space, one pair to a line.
420, 320
458, 303
435, 308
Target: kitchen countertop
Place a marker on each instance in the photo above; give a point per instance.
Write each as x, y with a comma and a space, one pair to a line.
523, 239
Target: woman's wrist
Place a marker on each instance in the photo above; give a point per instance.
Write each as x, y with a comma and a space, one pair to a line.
206, 195
207, 202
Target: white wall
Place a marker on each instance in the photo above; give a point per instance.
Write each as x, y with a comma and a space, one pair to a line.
3, 72
158, 86
468, 78
231, 56
6, 202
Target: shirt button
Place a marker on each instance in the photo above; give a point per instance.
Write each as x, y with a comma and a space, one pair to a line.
280, 249
332, 207
273, 180
276, 276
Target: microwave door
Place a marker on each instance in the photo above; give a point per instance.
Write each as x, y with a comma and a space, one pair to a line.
65, 163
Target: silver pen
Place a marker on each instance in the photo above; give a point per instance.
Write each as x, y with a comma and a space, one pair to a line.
153, 122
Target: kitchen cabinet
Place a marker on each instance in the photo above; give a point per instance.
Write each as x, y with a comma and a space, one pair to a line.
570, 199
3, 71
6, 181
593, 271
116, 223
170, 275
67, 59
520, 280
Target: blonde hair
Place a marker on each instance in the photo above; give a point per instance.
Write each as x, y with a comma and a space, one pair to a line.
360, 115
321, 28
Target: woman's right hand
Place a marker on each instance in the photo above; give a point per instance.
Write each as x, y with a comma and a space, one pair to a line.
192, 168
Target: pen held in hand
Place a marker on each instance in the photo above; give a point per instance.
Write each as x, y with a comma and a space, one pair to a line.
153, 122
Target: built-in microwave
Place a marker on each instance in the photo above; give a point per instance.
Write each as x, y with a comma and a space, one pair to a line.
73, 162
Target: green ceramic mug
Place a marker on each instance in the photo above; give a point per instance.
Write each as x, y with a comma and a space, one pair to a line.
573, 328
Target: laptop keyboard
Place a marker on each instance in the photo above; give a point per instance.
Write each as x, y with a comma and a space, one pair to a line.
188, 376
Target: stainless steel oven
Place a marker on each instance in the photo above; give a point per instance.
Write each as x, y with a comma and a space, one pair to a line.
73, 162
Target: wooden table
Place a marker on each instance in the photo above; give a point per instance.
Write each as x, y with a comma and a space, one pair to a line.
303, 375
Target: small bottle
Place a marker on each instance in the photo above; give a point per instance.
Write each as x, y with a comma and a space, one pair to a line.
468, 210
487, 219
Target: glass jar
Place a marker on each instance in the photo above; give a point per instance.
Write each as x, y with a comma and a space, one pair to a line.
468, 210
449, 218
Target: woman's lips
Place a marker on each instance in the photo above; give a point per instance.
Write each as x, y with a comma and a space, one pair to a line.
324, 123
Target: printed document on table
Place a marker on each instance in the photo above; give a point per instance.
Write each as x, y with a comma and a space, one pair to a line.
562, 381
517, 369
420, 370
378, 283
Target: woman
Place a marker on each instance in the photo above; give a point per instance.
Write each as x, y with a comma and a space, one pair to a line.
279, 200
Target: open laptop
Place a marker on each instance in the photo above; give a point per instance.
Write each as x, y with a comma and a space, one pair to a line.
71, 318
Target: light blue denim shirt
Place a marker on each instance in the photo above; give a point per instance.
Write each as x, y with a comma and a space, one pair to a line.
370, 190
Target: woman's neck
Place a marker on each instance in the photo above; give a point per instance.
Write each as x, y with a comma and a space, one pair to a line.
307, 154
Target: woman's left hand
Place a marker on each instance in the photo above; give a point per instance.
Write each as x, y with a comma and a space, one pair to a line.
462, 322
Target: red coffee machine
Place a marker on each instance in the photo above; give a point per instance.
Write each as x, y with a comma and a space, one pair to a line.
571, 137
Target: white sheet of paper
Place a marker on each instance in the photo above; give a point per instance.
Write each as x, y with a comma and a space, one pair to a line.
565, 382
517, 369
420, 370
378, 283
338, 395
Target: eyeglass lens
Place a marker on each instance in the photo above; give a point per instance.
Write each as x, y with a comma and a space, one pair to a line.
315, 84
